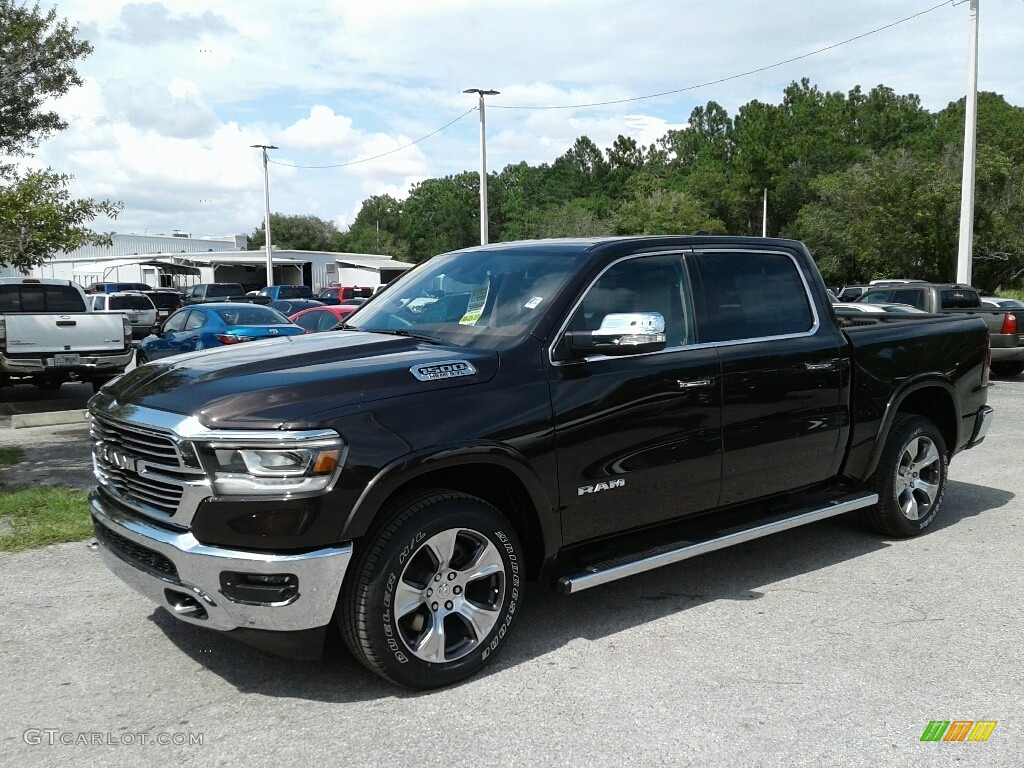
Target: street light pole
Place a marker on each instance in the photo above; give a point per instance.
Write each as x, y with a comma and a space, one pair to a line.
483, 160
266, 201
964, 261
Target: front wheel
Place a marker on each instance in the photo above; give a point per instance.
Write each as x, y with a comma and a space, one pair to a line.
910, 479
432, 594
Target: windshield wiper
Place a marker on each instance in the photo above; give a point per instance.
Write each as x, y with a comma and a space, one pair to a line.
411, 334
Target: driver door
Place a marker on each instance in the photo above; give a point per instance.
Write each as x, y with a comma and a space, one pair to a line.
639, 437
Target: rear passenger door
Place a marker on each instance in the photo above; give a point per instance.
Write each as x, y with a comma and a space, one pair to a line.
782, 373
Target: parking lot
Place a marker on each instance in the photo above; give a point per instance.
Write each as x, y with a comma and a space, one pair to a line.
822, 646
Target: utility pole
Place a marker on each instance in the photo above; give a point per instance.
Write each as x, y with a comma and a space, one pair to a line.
483, 161
964, 261
266, 201
764, 215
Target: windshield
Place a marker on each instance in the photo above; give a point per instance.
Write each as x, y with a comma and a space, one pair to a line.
479, 298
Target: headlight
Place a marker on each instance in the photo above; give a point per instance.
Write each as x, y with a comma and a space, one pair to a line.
286, 465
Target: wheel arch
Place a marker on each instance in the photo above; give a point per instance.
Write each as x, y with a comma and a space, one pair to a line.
933, 399
493, 473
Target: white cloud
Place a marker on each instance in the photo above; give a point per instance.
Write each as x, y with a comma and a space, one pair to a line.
322, 130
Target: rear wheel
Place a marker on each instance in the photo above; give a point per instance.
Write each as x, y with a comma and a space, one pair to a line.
140, 357
910, 479
432, 593
1007, 369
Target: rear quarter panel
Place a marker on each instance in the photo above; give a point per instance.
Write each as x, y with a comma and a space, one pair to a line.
900, 354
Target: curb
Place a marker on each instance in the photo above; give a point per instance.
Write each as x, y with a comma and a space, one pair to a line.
51, 419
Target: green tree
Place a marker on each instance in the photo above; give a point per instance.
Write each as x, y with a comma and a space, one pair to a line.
655, 211
376, 229
895, 216
295, 232
38, 215
441, 215
38, 52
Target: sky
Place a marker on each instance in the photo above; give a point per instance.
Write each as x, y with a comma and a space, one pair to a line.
175, 93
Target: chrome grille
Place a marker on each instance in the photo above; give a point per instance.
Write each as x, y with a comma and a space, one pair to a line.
141, 466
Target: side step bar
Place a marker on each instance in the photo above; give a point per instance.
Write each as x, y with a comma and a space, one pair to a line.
622, 567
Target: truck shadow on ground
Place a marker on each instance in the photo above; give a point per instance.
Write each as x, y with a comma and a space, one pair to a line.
550, 621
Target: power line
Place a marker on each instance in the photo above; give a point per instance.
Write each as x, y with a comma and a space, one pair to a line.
741, 74
382, 154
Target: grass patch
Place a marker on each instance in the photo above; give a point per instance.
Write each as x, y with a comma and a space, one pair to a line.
42, 515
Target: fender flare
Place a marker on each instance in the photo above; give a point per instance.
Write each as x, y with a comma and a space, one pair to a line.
400, 471
909, 387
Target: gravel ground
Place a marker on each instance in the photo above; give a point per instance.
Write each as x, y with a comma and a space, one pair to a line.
52, 456
822, 646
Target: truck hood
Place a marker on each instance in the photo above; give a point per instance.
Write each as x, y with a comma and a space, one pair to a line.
286, 382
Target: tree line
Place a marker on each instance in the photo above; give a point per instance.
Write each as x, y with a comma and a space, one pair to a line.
870, 181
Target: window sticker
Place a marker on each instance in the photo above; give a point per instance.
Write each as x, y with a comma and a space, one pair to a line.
475, 307
534, 302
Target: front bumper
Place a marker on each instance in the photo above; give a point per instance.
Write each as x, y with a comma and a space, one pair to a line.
177, 572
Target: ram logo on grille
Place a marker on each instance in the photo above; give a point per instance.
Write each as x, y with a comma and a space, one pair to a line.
442, 370
115, 457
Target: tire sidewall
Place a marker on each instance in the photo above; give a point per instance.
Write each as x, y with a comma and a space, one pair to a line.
910, 431
381, 623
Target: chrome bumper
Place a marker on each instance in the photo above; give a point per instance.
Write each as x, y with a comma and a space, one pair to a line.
194, 593
33, 365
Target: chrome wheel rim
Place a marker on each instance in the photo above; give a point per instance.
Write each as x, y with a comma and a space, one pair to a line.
918, 477
449, 595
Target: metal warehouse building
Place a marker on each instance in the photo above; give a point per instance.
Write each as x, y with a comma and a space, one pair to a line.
181, 260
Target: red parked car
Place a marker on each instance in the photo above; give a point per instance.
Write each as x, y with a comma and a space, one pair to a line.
316, 319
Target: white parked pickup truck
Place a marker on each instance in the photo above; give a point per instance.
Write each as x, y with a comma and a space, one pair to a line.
49, 336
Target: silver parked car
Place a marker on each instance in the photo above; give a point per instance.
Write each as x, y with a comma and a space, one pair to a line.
136, 305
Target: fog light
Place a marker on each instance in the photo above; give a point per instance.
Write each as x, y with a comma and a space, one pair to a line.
259, 588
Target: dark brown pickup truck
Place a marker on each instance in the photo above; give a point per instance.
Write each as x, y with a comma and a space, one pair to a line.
573, 411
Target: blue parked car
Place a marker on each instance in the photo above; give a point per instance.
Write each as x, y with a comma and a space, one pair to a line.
278, 292
201, 326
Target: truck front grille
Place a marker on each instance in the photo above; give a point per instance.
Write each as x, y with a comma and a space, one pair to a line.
135, 554
140, 466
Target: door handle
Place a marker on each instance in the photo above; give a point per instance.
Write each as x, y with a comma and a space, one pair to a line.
826, 366
695, 383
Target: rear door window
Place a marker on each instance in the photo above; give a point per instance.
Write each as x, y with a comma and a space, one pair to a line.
915, 297
196, 320
753, 295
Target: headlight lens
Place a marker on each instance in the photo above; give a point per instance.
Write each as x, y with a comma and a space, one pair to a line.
285, 468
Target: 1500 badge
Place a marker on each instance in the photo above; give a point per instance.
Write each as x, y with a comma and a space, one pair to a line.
597, 488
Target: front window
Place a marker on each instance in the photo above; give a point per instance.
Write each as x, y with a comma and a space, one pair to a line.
480, 298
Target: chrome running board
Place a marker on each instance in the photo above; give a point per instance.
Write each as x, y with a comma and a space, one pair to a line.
623, 567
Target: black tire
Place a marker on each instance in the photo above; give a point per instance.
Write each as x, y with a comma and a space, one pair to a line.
140, 358
910, 479
1007, 369
97, 384
48, 385
397, 590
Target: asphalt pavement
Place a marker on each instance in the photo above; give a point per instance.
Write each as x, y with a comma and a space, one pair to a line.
821, 646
